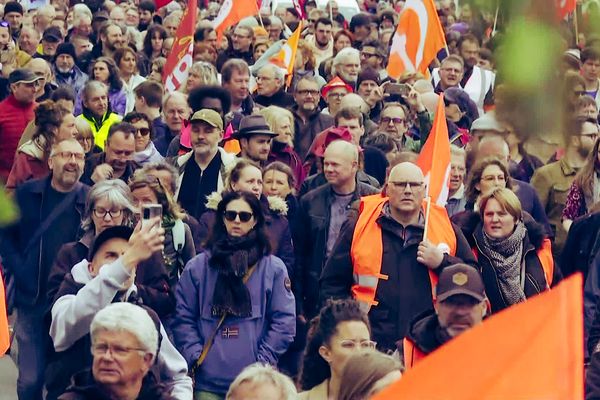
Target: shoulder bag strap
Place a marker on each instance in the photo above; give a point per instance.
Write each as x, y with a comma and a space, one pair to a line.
211, 338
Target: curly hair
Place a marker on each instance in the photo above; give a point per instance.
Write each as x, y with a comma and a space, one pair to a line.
322, 328
48, 118
114, 79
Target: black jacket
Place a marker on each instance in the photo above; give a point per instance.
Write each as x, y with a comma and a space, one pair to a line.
318, 180
84, 387
583, 243
592, 378
407, 291
535, 280
424, 332
307, 131
279, 98
96, 159
151, 277
311, 245
24, 263
231, 53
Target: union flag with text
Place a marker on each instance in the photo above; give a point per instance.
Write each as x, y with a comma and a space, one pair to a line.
181, 57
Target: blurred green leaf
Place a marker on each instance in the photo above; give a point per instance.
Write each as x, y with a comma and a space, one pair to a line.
8, 210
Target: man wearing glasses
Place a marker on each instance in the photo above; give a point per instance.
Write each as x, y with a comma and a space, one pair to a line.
382, 260
51, 212
241, 47
16, 111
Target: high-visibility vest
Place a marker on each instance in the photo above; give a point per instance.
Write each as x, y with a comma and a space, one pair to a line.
366, 251
412, 354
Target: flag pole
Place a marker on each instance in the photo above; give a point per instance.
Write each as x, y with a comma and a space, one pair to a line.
496, 18
576, 25
427, 210
260, 20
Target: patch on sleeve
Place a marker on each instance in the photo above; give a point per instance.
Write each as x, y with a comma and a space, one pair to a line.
288, 284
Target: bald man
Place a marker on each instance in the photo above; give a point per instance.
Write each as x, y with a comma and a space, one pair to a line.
406, 259
322, 213
495, 146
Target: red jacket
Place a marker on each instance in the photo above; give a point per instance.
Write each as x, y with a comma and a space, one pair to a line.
14, 117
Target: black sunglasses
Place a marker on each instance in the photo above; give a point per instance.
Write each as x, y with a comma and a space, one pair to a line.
143, 131
245, 216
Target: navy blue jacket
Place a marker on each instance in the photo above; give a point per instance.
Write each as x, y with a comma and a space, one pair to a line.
24, 265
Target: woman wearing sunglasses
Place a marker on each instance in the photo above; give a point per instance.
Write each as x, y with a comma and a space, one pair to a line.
246, 176
145, 151
235, 306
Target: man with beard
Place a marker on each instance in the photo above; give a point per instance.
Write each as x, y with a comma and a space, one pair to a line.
322, 40
552, 181
201, 171
111, 38
346, 65
146, 8
116, 162
460, 304
51, 38
96, 111
255, 138
51, 212
65, 71
308, 120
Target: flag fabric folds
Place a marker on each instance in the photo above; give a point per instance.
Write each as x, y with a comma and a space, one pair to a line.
231, 12
418, 38
287, 55
4, 331
434, 159
565, 7
181, 58
532, 350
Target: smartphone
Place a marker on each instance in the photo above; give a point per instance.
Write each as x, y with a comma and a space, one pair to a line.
399, 89
151, 212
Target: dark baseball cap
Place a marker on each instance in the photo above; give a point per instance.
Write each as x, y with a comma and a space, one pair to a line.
114, 232
460, 279
52, 34
22, 75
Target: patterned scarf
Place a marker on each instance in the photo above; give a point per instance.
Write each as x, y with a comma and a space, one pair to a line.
506, 255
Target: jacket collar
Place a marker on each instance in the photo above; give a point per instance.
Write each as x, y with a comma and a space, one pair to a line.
566, 169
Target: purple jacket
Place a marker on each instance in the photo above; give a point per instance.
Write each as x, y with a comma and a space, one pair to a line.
117, 100
263, 337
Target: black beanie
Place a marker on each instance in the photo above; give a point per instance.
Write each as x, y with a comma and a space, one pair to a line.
66, 48
13, 6
368, 74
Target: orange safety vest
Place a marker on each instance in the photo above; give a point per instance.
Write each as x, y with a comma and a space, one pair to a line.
412, 354
366, 251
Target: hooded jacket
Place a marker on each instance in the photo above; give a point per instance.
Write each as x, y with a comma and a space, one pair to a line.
535, 280
277, 227
30, 163
78, 300
263, 337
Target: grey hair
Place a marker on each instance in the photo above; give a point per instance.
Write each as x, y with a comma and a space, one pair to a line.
457, 151
163, 166
274, 114
81, 9
127, 317
342, 55
169, 96
93, 85
262, 373
117, 193
278, 72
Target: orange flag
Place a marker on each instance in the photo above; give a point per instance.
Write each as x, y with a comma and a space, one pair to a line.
287, 55
418, 38
181, 58
434, 159
231, 12
4, 332
564, 8
533, 350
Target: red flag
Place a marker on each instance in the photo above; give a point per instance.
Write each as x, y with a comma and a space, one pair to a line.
564, 8
418, 38
300, 10
434, 159
231, 12
161, 3
532, 350
181, 58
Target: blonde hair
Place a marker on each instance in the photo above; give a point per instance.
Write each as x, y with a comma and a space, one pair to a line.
507, 200
263, 374
206, 71
274, 114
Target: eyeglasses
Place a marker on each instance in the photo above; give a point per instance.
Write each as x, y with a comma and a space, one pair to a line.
404, 184
143, 131
579, 93
387, 120
99, 349
308, 92
67, 155
236, 36
244, 216
365, 54
363, 344
102, 213
336, 95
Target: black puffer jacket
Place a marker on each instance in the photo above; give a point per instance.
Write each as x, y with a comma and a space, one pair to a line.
535, 279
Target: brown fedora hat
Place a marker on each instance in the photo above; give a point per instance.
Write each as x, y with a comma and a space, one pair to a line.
253, 125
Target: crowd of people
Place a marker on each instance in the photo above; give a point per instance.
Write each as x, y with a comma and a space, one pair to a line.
289, 258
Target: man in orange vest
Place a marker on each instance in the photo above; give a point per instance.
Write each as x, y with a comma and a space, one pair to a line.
460, 304
381, 259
